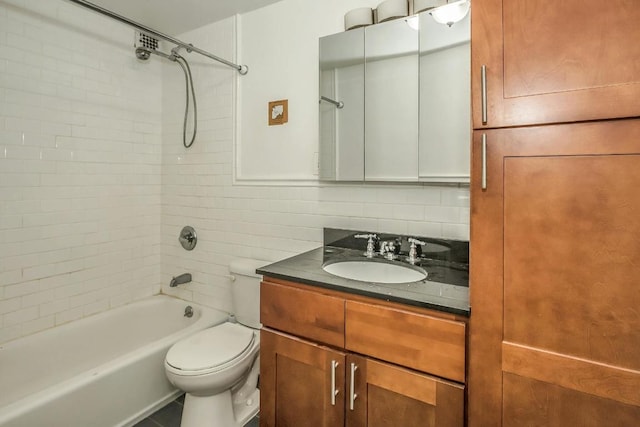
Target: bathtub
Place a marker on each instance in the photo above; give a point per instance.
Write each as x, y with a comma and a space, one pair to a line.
103, 370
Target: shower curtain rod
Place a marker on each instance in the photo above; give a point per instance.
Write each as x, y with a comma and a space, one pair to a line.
242, 69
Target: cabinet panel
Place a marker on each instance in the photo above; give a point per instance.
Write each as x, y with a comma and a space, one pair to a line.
391, 102
551, 62
553, 239
309, 314
586, 376
296, 383
390, 396
417, 341
585, 246
445, 90
390, 409
529, 402
341, 151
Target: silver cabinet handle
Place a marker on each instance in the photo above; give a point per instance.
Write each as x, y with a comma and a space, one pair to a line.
334, 391
352, 388
483, 78
484, 161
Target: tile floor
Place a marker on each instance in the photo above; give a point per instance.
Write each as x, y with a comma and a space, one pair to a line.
169, 416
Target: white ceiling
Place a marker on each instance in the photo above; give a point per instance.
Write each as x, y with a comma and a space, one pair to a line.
174, 17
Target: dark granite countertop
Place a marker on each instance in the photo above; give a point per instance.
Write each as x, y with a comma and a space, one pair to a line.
445, 288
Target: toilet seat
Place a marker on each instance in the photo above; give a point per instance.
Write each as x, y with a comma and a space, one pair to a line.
210, 350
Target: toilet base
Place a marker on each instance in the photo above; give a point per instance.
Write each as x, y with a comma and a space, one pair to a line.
219, 410
248, 408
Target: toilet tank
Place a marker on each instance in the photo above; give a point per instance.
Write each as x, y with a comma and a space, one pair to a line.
245, 290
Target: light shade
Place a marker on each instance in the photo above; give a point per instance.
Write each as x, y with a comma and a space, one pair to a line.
392, 9
422, 5
451, 13
357, 18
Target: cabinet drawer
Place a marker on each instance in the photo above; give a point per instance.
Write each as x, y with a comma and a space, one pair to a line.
418, 341
304, 313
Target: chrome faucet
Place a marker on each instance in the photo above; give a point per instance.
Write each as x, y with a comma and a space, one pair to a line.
384, 247
413, 250
371, 245
388, 249
179, 280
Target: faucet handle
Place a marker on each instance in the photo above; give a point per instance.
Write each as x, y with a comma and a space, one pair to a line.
391, 250
415, 242
366, 236
384, 246
413, 250
370, 243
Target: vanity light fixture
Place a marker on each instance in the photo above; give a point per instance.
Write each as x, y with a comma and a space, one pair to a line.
451, 13
357, 18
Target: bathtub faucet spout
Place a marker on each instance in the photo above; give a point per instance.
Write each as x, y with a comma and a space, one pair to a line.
179, 280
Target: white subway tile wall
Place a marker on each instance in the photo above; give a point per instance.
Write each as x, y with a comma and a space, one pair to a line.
80, 159
95, 184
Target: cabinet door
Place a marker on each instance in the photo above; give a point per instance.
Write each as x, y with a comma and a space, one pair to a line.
391, 102
301, 383
384, 395
555, 238
555, 61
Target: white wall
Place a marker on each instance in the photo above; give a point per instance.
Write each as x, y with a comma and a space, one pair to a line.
269, 221
196, 182
79, 167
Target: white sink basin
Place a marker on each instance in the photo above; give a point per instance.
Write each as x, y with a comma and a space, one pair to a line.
376, 272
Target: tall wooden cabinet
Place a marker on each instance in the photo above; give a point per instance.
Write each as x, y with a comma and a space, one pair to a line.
555, 218
550, 61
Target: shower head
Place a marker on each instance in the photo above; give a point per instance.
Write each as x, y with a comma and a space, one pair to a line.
144, 53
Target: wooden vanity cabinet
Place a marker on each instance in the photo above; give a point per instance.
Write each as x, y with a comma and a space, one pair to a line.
550, 61
385, 372
555, 238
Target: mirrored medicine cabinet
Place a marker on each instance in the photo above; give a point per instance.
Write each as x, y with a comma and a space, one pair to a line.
395, 102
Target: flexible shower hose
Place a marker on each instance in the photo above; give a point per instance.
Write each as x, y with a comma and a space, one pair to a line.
189, 88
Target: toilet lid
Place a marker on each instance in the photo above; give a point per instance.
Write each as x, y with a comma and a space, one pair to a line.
210, 348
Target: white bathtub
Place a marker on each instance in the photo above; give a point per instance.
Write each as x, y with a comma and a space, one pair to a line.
104, 370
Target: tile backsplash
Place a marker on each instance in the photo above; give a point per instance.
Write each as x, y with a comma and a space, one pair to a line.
95, 184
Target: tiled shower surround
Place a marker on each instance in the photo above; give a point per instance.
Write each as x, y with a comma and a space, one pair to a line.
95, 183
80, 164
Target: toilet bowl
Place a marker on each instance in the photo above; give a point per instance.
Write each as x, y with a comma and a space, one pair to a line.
218, 368
212, 366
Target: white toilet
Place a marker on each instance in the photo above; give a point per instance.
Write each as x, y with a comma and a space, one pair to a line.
218, 367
